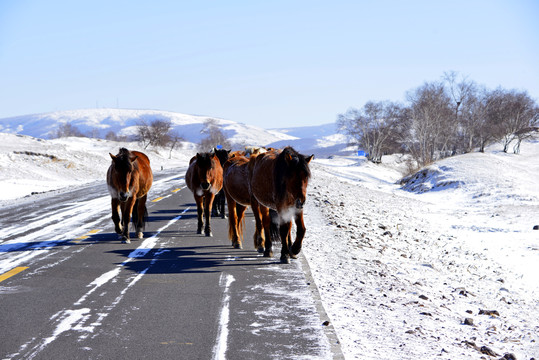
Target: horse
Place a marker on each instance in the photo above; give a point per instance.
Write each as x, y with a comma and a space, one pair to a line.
219, 202
238, 197
278, 181
204, 178
254, 150
129, 178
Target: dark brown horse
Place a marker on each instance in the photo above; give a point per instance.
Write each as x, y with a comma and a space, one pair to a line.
204, 178
238, 197
278, 181
129, 179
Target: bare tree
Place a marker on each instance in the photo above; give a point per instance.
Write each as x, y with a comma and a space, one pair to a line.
214, 138
372, 127
156, 133
111, 135
67, 130
463, 98
511, 114
175, 142
432, 125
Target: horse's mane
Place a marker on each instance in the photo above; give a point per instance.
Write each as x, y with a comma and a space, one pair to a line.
123, 161
204, 159
285, 168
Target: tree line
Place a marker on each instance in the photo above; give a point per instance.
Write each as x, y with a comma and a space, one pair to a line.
156, 133
442, 118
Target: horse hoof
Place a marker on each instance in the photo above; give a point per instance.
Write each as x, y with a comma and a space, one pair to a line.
238, 245
268, 253
260, 249
126, 241
208, 233
293, 256
140, 235
285, 260
199, 231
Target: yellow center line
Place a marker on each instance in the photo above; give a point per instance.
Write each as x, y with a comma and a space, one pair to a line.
158, 199
176, 190
84, 237
12, 272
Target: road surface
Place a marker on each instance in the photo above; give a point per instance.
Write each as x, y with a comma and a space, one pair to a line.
69, 289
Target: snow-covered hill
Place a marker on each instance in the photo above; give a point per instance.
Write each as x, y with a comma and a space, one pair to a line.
123, 122
321, 140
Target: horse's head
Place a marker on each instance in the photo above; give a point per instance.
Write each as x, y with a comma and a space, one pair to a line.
123, 167
205, 166
292, 174
222, 155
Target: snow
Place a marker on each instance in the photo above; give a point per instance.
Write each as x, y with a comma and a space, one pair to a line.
399, 267
124, 122
399, 271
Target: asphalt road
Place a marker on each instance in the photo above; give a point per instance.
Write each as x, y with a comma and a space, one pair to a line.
69, 289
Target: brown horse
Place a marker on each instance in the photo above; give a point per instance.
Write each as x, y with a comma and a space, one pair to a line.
204, 178
129, 179
219, 202
278, 181
238, 197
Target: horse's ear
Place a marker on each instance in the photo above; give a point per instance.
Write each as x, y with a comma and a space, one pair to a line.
112, 156
308, 160
288, 157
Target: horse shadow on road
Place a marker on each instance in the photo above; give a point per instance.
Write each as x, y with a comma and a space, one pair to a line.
193, 259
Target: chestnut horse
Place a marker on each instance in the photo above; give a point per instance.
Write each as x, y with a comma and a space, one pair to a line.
129, 179
238, 197
204, 178
278, 181
219, 202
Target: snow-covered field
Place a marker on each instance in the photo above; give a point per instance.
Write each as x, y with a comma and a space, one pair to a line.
448, 271
444, 268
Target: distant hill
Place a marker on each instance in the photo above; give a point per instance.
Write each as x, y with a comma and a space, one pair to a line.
123, 122
321, 140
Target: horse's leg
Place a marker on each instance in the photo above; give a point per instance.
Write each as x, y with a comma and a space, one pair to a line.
268, 238
208, 202
200, 208
141, 213
115, 203
215, 209
232, 220
127, 209
222, 203
284, 230
258, 238
240, 211
300, 234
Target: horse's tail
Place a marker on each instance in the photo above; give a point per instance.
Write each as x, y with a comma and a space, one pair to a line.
241, 225
230, 227
274, 226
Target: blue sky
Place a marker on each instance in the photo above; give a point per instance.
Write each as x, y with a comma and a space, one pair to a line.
265, 63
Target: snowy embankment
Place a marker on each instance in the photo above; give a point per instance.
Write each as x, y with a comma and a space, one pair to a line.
30, 165
445, 270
